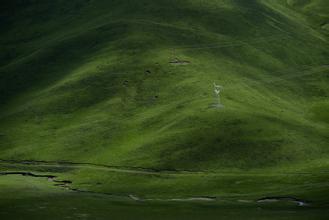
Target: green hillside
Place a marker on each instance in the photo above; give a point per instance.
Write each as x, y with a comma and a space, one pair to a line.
129, 85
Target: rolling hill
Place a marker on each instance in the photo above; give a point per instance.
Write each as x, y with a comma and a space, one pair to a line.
130, 84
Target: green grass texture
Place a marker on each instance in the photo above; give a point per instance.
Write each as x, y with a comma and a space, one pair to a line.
129, 84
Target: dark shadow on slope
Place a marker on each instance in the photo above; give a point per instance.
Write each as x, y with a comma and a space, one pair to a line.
50, 64
46, 64
234, 141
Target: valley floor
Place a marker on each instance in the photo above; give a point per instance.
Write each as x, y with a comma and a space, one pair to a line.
64, 190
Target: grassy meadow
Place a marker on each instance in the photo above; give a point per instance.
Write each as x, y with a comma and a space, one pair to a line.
117, 97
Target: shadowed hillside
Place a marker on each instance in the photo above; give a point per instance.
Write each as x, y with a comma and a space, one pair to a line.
164, 109
104, 82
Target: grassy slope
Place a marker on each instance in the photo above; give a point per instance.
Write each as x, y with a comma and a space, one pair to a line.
81, 82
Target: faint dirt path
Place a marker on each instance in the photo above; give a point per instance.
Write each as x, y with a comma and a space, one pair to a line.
136, 170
